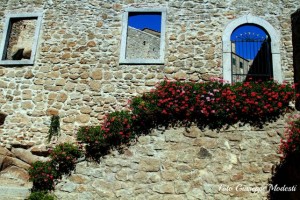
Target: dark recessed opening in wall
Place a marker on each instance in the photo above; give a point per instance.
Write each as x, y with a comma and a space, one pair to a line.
251, 54
296, 52
145, 29
2, 118
20, 37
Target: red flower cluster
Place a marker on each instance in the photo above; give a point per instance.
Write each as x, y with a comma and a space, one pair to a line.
212, 104
291, 143
45, 174
117, 128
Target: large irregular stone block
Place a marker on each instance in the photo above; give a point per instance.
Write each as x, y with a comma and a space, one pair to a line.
149, 164
6, 161
27, 156
5, 152
16, 173
7, 193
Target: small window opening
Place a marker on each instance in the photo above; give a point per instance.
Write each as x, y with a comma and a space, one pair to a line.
143, 36
144, 27
19, 42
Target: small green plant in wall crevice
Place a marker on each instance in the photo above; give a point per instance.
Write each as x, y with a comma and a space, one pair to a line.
54, 129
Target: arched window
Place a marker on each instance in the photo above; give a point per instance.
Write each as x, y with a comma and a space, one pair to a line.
243, 59
251, 57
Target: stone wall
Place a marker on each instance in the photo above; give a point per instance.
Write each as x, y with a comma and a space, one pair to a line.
77, 75
141, 44
182, 164
77, 72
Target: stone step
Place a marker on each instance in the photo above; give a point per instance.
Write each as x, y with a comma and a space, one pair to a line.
14, 189
13, 192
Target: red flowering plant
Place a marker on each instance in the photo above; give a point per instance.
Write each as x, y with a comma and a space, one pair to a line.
173, 103
145, 112
43, 175
291, 143
93, 137
64, 157
258, 102
117, 128
209, 106
212, 104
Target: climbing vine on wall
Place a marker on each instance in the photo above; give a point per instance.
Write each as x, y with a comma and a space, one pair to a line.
54, 127
175, 103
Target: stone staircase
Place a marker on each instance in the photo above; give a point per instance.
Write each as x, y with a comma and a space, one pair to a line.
12, 188
14, 165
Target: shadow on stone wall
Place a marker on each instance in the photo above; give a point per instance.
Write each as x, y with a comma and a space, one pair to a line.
295, 18
286, 174
2, 118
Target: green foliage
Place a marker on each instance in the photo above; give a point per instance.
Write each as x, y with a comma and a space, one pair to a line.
89, 134
117, 128
43, 176
94, 139
64, 157
54, 128
41, 195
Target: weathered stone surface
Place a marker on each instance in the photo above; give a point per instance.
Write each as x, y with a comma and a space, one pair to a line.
40, 151
96, 74
95, 85
84, 118
85, 110
11, 192
6, 161
52, 111
191, 134
69, 187
26, 155
62, 97
5, 152
15, 172
204, 153
178, 170
234, 137
104, 189
149, 164
79, 179
167, 188
206, 142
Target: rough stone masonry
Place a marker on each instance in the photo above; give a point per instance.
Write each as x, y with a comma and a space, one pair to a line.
77, 75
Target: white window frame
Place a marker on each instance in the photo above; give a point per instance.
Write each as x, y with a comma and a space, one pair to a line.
160, 60
6, 36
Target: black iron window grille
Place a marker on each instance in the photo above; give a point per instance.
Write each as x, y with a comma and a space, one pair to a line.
251, 58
